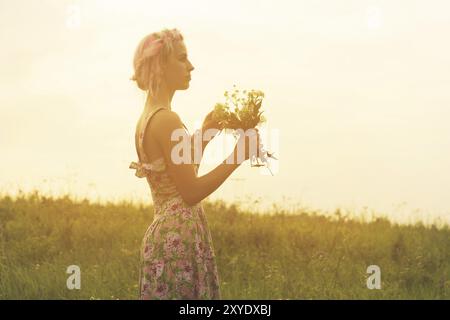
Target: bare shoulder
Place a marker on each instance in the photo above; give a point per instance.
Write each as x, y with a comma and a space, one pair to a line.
165, 121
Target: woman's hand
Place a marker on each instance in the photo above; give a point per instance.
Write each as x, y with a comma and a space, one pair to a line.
248, 145
209, 123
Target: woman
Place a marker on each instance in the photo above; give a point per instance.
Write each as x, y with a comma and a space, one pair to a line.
177, 255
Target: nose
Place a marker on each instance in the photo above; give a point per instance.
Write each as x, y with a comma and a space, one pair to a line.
191, 67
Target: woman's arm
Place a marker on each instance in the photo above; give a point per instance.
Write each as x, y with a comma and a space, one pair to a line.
200, 139
192, 189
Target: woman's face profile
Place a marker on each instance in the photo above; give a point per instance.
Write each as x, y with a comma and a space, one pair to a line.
178, 69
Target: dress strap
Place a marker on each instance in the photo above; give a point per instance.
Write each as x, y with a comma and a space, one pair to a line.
140, 147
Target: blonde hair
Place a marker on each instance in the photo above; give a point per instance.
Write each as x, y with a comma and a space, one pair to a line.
150, 58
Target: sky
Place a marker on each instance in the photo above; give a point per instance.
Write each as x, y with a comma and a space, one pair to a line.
356, 98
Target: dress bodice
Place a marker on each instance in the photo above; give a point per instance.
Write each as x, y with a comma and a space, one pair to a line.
163, 190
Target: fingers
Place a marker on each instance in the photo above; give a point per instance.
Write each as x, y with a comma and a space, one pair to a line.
258, 144
255, 141
258, 141
249, 141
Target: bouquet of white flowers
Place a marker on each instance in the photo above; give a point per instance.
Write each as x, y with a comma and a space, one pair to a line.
245, 115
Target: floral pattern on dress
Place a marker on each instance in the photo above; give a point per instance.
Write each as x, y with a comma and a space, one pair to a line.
177, 259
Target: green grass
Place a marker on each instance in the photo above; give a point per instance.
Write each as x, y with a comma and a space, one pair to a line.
272, 256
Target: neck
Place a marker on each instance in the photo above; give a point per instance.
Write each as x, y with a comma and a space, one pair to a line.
163, 98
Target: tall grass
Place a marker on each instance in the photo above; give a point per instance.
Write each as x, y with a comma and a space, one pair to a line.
271, 256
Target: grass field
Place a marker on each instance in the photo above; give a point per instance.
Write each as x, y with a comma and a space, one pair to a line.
276, 256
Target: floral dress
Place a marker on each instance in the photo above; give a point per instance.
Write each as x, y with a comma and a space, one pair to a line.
177, 259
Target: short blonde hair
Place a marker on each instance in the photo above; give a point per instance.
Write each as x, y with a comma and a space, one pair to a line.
151, 56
